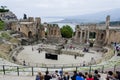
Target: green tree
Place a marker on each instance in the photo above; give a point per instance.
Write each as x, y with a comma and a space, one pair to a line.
2, 25
3, 9
66, 31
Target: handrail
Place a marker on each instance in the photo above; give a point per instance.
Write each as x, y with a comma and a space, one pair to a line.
6, 69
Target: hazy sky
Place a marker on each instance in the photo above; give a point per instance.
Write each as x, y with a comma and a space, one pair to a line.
58, 7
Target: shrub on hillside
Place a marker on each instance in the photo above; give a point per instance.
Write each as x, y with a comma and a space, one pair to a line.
5, 35
2, 25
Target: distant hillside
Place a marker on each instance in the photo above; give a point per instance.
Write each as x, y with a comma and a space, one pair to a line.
95, 17
112, 23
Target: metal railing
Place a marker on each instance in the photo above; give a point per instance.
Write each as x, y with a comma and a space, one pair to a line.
31, 71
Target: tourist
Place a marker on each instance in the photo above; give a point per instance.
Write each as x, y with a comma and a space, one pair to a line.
83, 63
66, 76
24, 64
109, 75
39, 76
74, 75
118, 75
99, 77
96, 77
61, 73
86, 75
80, 76
47, 76
84, 50
75, 56
32, 49
90, 77
38, 50
14, 59
56, 75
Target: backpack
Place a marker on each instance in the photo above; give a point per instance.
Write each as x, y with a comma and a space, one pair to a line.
79, 78
37, 77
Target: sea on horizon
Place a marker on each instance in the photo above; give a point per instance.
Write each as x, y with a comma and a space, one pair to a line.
52, 20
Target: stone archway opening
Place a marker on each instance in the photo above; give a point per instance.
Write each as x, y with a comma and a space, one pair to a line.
102, 36
92, 35
29, 34
18, 29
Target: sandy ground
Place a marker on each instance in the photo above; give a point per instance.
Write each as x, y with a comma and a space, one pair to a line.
35, 57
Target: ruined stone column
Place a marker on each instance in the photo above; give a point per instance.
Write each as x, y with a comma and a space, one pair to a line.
81, 36
85, 35
97, 37
107, 29
107, 22
88, 36
76, 34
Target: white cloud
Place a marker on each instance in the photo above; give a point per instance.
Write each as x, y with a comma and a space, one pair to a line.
59, 7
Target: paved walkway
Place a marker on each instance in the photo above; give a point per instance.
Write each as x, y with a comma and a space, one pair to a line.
7, 77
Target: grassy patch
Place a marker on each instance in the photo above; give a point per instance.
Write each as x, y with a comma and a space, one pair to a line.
14, 40
3, 55
5, 48
2, 25
5, 35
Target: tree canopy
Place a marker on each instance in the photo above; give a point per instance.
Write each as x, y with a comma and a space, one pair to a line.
66, 31
3, 9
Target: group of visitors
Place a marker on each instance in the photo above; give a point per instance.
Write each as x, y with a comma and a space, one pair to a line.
86, 76
77, 76
86, 49
54, 76
113, 76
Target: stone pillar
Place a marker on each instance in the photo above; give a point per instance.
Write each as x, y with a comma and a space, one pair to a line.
85, 33
88, 36
97, 36
76, 34
81, 36
107, 29
107, 22
53, 32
